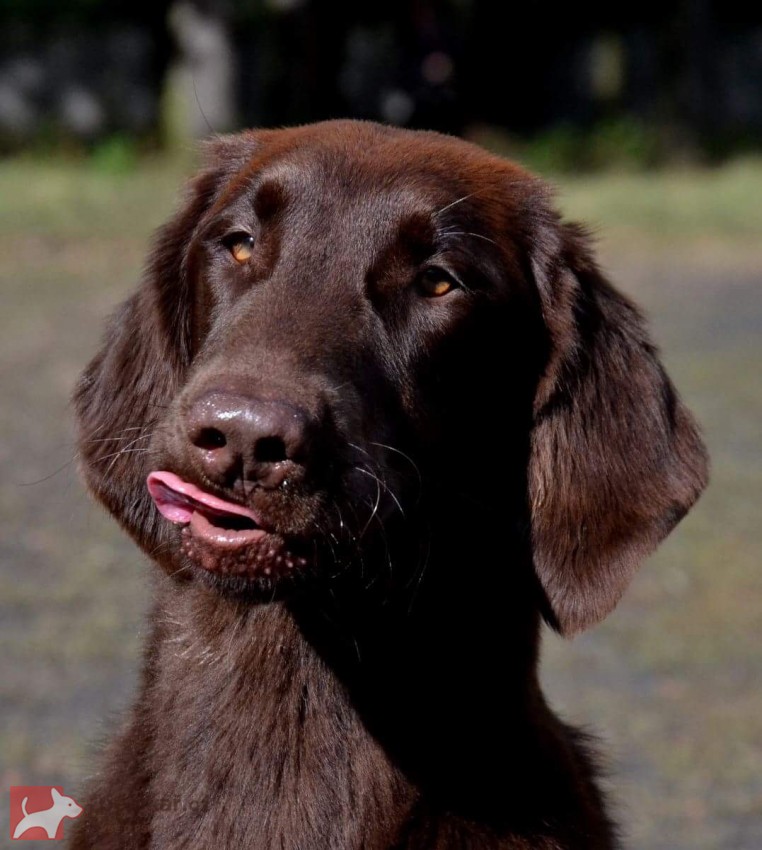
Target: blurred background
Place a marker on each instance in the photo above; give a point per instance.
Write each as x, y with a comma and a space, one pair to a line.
647, 118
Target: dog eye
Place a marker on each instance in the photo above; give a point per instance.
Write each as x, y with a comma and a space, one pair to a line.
241, 246
434, 283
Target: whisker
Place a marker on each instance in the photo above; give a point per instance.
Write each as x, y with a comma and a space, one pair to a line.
178, 571
385, 539
384, 485
52, 474
417, 578
353, 540
403, 455
115, 438
122, 452
157, 550
455, 203
469, 233
374, 511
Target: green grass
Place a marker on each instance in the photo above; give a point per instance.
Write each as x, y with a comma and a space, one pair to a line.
671, 678
665, 204
72, 199
716, 204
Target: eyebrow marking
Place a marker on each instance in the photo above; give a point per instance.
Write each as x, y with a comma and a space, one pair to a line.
467, 233
269, 198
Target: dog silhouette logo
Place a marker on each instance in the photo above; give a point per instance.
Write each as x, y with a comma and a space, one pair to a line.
38, 812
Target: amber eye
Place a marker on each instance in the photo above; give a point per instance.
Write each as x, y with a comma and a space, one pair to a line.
241, 246
434, 283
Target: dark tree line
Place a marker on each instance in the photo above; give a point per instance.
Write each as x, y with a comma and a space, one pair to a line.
92, 67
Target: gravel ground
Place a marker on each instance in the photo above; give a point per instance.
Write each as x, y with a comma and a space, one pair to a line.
670, 682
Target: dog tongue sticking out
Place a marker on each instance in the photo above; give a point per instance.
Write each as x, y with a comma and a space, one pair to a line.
210, 518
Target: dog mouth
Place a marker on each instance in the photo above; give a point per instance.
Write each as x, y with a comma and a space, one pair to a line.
221, 536
208, 516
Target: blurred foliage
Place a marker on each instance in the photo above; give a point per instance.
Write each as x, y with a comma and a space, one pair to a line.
117, 154
624, 144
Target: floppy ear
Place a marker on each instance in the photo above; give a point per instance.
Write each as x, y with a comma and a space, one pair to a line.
616, 459
144, 354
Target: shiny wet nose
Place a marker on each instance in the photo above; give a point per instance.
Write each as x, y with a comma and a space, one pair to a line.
238, 439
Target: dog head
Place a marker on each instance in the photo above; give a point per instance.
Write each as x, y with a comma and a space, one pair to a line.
349, 333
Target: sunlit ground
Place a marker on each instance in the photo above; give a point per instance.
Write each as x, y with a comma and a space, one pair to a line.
671, 682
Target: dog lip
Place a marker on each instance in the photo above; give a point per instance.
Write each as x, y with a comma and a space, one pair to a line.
178, 501
202, 528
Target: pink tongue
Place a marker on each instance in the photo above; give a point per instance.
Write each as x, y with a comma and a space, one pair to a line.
178, 500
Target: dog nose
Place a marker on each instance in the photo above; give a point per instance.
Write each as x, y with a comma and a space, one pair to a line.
239, 439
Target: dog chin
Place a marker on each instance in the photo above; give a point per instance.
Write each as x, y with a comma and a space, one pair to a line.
248, 589
266, 557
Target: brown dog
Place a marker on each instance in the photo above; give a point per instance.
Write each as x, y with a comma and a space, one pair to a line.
374, 412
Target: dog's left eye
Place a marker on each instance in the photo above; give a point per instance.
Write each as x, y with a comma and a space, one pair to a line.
241, 246
434, 283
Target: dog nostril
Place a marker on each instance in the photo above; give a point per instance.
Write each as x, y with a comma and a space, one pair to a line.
209, 438
270, 450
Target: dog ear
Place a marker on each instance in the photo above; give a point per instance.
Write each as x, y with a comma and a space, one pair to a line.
145, 352
616, 459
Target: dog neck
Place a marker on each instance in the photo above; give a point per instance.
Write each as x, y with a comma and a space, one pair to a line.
330, 714
249, 717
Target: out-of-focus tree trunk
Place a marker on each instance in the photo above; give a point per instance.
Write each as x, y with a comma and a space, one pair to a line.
201, 83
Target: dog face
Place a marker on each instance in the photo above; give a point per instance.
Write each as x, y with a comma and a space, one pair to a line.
349, 334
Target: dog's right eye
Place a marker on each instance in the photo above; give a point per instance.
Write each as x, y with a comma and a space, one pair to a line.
240, 245
434, 283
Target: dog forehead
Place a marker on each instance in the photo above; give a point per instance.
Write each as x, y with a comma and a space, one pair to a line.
361, 145
355, 164
343, 184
